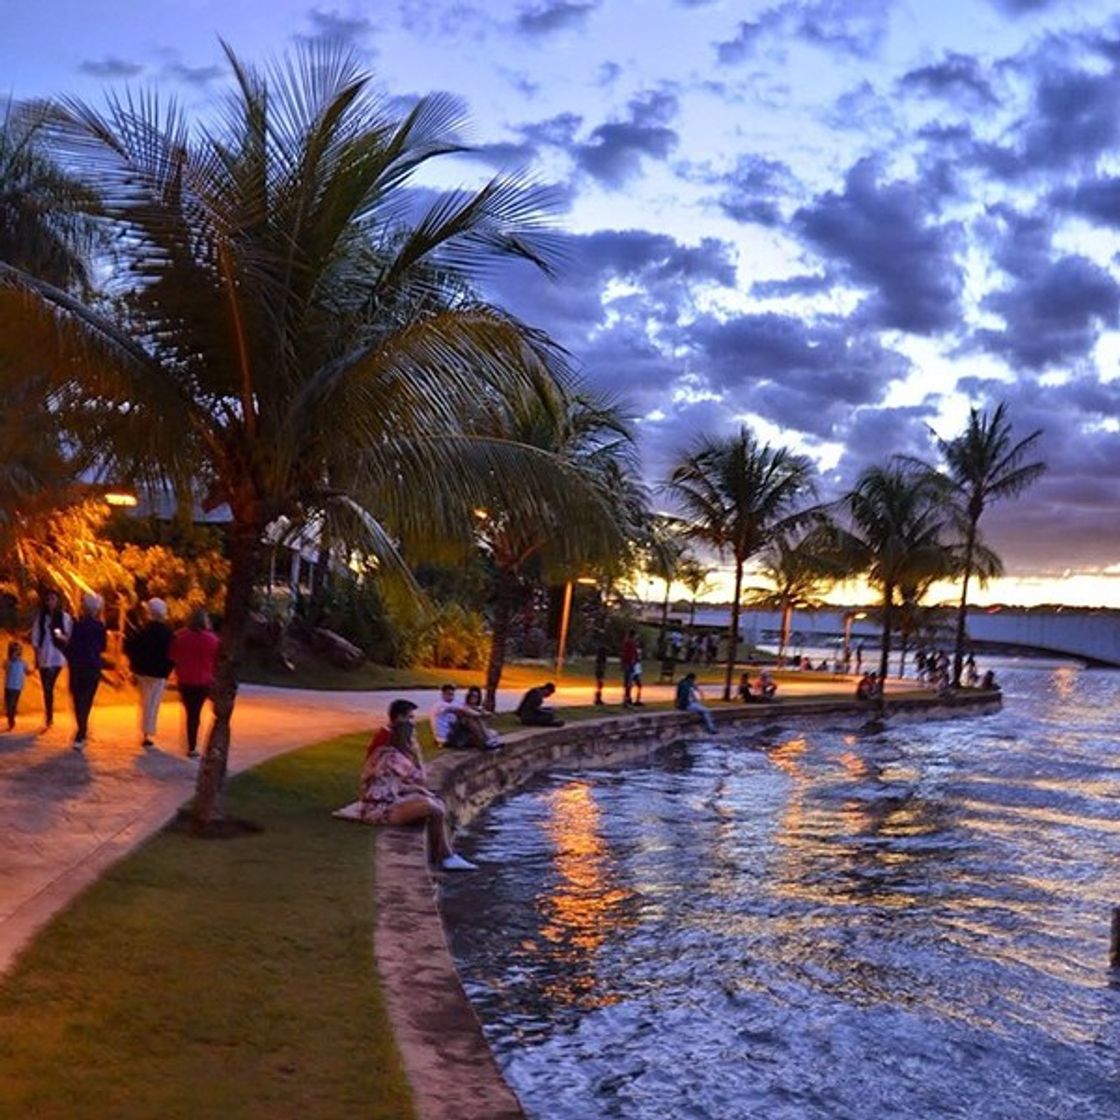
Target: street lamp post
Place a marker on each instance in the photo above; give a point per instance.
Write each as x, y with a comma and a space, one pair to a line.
849, 618
565, 618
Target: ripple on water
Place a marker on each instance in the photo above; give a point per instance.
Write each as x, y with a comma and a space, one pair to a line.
813, 923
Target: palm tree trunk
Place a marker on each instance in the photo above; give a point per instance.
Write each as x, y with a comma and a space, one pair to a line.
962, 610
885, 654
245, 548
787, 627
733, 632
663, 650
503, 614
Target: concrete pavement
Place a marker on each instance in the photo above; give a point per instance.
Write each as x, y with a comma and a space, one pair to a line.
66, 817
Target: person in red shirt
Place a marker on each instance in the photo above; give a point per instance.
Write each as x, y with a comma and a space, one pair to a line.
194, 650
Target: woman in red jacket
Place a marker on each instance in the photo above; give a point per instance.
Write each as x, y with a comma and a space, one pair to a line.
195, 653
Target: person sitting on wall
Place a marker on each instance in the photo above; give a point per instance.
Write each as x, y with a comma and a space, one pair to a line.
454, 725
491, 740
767, 686
868, 687
688, 700
532, 711
751, 693
393, 787
988, 682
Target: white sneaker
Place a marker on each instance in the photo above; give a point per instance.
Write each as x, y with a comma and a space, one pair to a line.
455, 862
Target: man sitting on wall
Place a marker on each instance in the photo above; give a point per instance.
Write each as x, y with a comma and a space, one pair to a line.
532, 711
688, 700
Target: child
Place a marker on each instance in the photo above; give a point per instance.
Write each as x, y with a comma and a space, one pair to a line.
15, 674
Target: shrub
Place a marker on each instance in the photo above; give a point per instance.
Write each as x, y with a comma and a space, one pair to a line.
452, 638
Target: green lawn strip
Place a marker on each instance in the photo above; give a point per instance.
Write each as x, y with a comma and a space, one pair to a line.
230, 978
580, 672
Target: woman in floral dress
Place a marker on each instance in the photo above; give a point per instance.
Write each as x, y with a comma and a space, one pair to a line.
393, 787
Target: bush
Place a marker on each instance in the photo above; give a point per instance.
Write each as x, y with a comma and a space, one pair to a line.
454, 638
356, 611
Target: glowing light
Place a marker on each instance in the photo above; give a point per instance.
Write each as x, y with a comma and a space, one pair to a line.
120, 499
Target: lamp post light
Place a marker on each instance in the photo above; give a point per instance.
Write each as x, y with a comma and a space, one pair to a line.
565, 618
849, 618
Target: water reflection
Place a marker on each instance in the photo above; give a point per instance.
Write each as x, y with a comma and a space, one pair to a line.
586, 902
814, 923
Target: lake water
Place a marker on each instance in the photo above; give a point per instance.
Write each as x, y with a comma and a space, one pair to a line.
813, 922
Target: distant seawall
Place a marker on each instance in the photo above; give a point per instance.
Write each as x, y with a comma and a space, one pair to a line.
450, 1068
1090, 635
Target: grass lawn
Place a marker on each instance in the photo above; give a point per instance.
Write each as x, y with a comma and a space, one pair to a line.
226, 978
318, 674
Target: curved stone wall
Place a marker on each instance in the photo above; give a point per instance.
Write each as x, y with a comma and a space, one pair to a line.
449, 1065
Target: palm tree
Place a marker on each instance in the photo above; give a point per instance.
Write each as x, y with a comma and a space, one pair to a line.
984, 466
899, 520
798, 574
737, 495
529, 540
693, 575
44, 230
282, 336
45, 223
664, 553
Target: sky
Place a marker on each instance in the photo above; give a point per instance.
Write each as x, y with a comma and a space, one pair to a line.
840, 222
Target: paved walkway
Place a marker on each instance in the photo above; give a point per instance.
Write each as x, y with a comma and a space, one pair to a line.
66, 817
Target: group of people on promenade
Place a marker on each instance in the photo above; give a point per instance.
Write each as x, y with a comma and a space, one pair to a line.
60, 641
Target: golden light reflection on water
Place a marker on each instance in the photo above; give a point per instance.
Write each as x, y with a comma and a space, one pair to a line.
824, 857
1065, 681
587, 903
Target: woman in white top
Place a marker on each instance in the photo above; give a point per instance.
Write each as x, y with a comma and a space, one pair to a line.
49, 634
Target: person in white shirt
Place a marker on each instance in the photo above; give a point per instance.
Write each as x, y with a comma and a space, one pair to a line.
451, 724
49, 634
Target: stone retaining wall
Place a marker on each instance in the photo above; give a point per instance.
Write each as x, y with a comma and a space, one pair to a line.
449, 1065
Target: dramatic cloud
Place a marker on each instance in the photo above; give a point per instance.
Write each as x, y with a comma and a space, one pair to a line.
330, 24
1055, 306
803, 376
856, 27
1097, 199
1071, 122
616, 150
557, 16
755, 190
880, 238
742, 45
867, 431
193, 75
111, 68
956, 77
1021, 7
853, 27
1053, 316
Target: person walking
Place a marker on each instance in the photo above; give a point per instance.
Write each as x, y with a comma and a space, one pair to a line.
15, 674
627, 660
84, 650
50, 632
148, 651
194, 651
